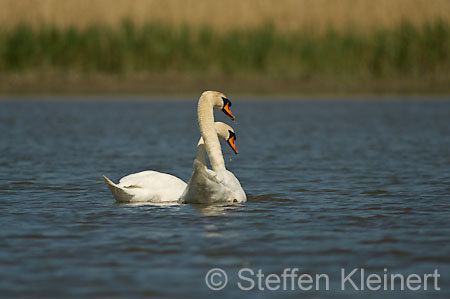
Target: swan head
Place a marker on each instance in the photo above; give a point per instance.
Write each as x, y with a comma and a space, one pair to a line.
219, 102
226, 133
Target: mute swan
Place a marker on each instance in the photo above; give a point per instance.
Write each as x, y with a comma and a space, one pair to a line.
157, 187
218, 185
153, 186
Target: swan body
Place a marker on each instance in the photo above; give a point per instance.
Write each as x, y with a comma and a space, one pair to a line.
207, 186
147, 186
158, 187
217, 185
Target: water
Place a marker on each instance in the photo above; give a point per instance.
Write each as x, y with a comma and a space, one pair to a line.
338, 183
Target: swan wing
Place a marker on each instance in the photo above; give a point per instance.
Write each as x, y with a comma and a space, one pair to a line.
147, 186
228, 180
208, 186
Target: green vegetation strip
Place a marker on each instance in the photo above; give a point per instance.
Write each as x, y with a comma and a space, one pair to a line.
404, 52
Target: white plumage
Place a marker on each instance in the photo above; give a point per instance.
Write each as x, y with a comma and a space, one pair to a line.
147, 186
205, 186
217, 185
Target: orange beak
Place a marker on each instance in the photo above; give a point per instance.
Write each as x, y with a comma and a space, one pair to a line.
227, 111
232, 142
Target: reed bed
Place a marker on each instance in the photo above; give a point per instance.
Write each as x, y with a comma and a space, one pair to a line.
285, 15
404, 51
346, 42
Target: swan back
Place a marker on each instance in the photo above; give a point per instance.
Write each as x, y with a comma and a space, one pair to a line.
147, 186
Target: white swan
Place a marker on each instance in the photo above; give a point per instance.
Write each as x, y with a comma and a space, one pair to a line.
158, 187
146, 186
218, 185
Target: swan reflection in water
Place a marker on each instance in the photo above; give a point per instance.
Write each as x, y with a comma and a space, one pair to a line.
203, 209
216, 210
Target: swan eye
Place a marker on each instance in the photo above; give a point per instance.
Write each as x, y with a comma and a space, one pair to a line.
231, 141
226, 101
226, 108
231, 135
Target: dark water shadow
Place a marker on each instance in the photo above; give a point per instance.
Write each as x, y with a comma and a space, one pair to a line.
267, 198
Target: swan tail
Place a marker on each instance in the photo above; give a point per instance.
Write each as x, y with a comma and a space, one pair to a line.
119, 194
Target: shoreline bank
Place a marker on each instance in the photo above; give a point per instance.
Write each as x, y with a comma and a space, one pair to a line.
57, 83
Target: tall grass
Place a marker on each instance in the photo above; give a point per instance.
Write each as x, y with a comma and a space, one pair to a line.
221, 15
405, 51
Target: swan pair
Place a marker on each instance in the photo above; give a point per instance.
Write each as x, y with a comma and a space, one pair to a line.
205, 186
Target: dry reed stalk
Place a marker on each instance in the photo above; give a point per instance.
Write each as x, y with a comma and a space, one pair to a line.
286, 15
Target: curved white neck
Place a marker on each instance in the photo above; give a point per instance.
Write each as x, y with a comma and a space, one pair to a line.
201, 152
206, 123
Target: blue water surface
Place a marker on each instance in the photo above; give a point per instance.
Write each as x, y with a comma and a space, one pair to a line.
332, 184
